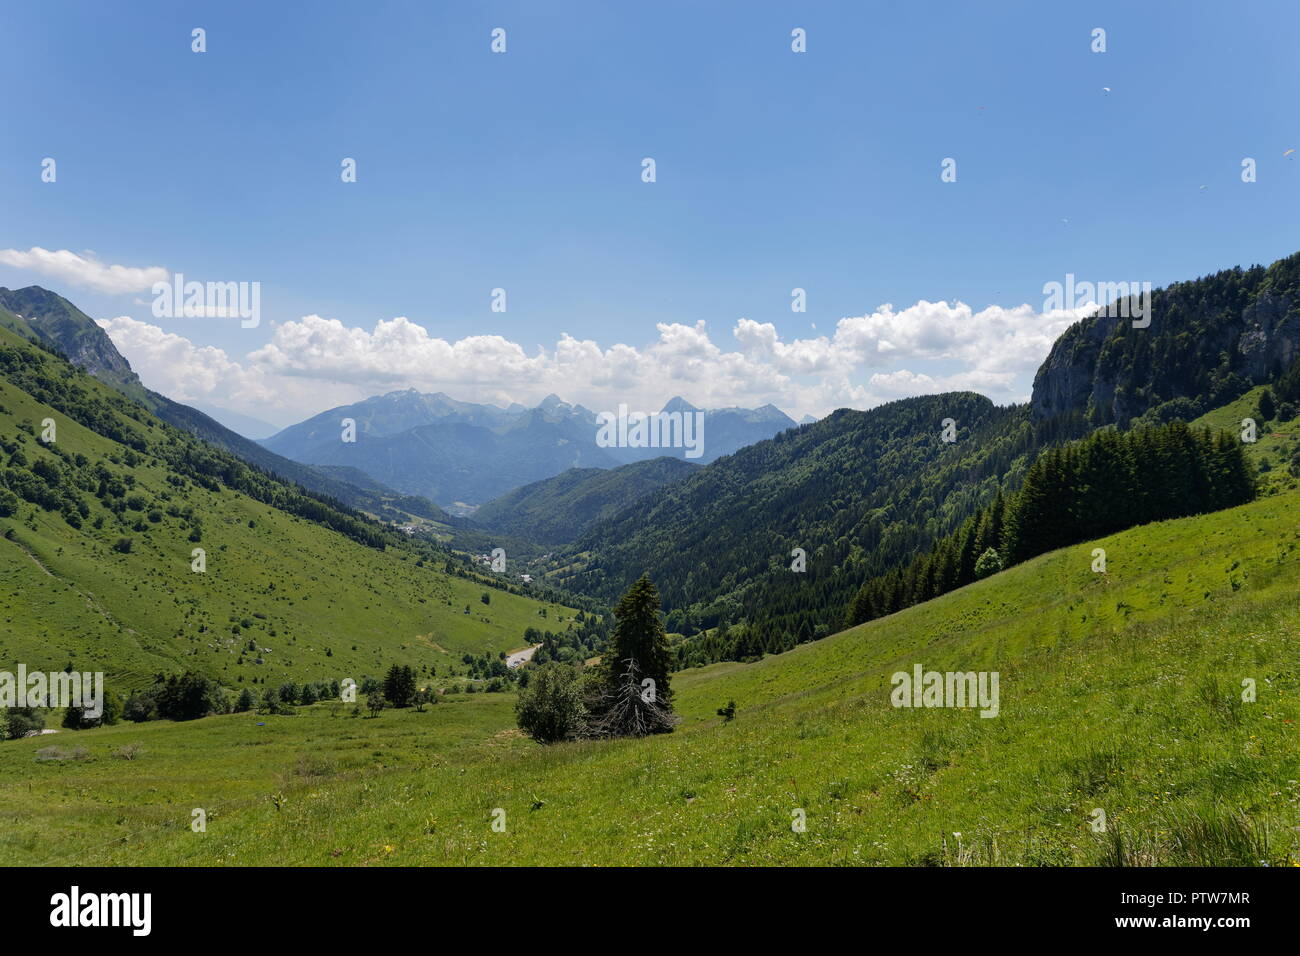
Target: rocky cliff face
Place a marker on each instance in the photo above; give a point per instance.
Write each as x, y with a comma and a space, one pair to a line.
1067, 379
61, 324
1271, 336
1209, 340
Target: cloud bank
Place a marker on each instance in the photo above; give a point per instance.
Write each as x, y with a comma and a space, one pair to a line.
315, 363
84, 270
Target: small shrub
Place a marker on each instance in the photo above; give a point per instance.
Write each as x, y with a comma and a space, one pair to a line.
551, 707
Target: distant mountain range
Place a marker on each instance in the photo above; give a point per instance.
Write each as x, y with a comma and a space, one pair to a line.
412, 449
464, 454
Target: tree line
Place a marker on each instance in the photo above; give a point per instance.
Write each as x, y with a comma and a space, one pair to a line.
1088, 489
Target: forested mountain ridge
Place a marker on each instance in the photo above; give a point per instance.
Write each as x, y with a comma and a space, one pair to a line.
1210, 339
857, 491
557, 510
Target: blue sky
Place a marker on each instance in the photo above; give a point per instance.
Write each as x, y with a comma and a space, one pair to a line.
522, 171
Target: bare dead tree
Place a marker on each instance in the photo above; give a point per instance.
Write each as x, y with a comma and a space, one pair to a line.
630, 710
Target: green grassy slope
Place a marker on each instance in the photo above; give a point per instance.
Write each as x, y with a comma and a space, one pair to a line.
19, 327
1119, 691
1276, 443
316, 604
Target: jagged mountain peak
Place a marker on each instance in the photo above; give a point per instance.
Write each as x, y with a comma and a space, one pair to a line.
679, 404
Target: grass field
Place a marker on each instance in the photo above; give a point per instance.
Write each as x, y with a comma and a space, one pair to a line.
1120, 692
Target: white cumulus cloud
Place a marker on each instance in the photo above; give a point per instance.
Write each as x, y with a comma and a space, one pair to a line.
84, 270
314, 363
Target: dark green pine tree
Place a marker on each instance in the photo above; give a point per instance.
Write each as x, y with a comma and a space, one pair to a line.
897, 592
1069, 523
1199, 449
1288, 386
1234, 476
966, 553
946, 566
1106, 489
1149, 493
863, 607
984, 538
997, 520
1267, 407
639, 636
1028, 522
912, 588
1171, 470
399, 685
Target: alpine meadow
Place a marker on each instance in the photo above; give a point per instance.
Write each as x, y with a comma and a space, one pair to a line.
575, 435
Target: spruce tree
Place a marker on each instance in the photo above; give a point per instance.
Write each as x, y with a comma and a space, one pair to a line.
639, 636
399, 685
1267, 407
863, 607
1027, 520
997, 522
966, 553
